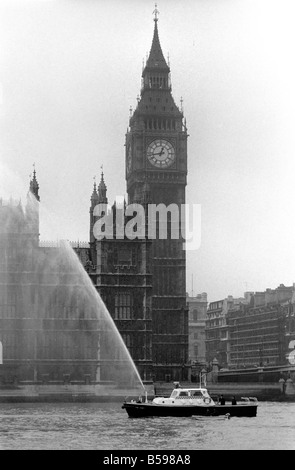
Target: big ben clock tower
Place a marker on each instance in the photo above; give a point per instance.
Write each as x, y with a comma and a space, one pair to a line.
156, 170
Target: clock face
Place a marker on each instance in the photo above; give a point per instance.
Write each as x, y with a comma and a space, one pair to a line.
129, 159
161, 153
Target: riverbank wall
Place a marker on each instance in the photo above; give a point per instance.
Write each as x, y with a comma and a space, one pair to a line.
107, 391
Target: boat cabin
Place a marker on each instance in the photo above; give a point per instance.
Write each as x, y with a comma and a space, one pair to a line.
189, 393
186, 396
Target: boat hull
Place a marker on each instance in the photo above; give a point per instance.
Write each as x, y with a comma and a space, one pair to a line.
143, 410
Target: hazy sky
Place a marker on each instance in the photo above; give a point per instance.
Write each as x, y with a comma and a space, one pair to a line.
71, 69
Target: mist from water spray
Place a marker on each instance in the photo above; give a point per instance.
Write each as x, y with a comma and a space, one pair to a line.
63, 319
102, 310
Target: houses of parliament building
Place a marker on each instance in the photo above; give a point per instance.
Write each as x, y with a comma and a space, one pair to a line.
141, 281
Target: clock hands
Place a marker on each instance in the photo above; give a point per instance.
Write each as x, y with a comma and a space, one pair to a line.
160, 153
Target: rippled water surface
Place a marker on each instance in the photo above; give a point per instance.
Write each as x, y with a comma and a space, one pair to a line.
106, 426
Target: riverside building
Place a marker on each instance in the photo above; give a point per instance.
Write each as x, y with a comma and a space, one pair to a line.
253, 332
197, 306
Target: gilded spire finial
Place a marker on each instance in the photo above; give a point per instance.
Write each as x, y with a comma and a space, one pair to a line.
156, 13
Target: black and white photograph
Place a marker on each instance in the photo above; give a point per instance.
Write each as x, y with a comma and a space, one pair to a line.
147, 235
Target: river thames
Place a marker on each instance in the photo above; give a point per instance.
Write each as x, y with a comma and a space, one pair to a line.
106, 426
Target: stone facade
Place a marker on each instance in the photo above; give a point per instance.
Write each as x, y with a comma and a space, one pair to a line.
197, 321
120, 270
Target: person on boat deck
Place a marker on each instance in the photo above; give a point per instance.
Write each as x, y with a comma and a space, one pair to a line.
221, 400
234, 401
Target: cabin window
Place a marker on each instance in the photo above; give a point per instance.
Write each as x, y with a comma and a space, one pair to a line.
183, 394
196, 393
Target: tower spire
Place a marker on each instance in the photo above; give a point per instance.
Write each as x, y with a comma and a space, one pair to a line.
102, 190
156, 73
156, 58
34, 186
94, 195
